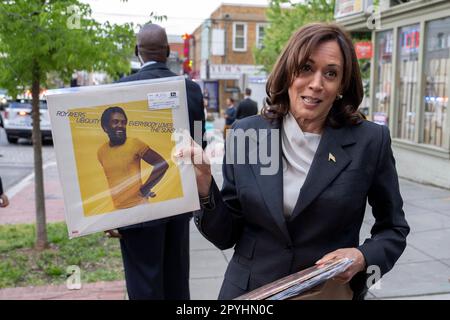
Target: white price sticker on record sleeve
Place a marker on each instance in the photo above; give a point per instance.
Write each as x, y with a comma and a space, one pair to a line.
163, 100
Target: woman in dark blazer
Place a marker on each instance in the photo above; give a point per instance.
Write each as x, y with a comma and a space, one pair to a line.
331, 161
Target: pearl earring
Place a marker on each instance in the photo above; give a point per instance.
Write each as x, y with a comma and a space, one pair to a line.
339, 97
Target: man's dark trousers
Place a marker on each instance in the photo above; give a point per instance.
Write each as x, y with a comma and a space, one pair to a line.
156, 260
156, 253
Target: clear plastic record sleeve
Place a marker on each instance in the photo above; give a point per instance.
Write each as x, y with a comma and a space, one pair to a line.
298, 283
114, 148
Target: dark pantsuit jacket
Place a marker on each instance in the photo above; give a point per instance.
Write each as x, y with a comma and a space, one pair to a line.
248, 212
156, 253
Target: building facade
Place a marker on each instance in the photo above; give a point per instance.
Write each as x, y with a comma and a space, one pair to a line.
410, 80
222, 53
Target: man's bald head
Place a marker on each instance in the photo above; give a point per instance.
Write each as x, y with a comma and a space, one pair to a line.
152, 43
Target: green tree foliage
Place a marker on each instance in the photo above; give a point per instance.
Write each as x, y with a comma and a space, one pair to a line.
284, 21
58, 36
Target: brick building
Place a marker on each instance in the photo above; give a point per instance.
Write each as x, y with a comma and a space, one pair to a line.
175, 60
221, 49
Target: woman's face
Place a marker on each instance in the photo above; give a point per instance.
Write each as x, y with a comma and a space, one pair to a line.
317, 85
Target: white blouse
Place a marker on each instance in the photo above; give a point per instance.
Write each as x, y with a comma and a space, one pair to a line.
299, 149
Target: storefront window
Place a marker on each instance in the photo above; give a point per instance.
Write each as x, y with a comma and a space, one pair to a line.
211, 96
408, 66
383, 82
437, 65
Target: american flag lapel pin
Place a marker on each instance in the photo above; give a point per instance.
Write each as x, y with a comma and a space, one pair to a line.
331, 157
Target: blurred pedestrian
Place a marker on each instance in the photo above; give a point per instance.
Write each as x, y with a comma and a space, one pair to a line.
230, 115
4, 201
205, 108
246, 107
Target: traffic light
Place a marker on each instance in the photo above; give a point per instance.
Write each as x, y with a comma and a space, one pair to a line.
187, 66
187, 63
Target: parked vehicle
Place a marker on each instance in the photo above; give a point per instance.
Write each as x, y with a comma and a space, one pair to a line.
18, 122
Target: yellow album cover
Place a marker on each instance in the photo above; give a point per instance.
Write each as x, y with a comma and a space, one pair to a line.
123, 156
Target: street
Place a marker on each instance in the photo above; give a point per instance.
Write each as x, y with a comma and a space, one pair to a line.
16, 160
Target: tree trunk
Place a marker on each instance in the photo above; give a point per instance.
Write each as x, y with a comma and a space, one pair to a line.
41, 228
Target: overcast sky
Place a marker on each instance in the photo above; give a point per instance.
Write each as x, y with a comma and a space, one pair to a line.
182, 15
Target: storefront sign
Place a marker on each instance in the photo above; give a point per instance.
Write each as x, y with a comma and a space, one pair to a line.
363, 50
409, 41
233, 71
345, 8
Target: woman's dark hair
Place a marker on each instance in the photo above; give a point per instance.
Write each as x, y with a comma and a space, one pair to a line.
296, 53
106, 115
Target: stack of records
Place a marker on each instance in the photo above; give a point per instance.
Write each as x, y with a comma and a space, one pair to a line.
298, 283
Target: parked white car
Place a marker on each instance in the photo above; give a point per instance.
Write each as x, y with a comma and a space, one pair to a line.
19, 124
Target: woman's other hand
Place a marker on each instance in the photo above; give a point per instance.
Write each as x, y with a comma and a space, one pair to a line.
359, 262
202, 166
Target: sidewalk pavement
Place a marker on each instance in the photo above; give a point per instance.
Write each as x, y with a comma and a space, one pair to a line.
22, 205
111, 290
422, 272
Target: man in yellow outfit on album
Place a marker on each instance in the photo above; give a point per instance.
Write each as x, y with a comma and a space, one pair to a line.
121, 162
